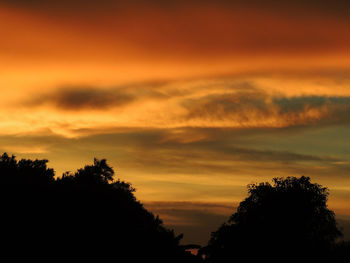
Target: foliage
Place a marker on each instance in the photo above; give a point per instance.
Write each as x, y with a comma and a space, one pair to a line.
24, 171
84, 215
90, 215
286, 221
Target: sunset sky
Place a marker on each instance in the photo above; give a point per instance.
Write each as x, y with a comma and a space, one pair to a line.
189, 101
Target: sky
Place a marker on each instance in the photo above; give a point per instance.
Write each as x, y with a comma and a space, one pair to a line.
190, 101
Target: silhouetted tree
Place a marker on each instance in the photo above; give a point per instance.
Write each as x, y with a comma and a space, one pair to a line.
24, 171
287, 221
86, 215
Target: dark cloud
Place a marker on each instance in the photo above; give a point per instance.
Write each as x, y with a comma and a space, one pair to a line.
268, 155
59, 5
99, 98
328, 5
336, 109
298, 104
200, 29
225, 144
79, 98
202, 151
220, 152
228, 106
254, 106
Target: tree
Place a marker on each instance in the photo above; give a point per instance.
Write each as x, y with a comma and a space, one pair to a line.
83, 216
98, 173
25, 171
286, 221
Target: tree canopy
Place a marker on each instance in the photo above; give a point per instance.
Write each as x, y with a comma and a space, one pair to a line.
90, 215
81, 216
285, 221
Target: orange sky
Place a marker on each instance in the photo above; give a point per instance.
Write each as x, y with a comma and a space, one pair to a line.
188, 100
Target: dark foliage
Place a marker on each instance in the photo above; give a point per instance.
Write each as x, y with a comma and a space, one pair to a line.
285, 222
81, 216
89, 216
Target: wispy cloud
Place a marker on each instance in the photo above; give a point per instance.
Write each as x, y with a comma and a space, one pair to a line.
259, 109
220, 103
82, 98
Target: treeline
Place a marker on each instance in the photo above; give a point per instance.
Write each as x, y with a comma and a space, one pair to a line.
88, 215
85, 215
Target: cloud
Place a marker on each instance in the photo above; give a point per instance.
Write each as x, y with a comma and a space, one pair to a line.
189, 29
213, 151
228, 106
81, 98
77, 97
220, 103
327, 5
258, 108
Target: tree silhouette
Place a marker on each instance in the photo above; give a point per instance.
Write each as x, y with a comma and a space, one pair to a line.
287, 221
86, 215
98, 173
24, 171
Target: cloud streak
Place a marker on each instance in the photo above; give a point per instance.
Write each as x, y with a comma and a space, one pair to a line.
82, 98
80, 110
259, 109
185, 29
